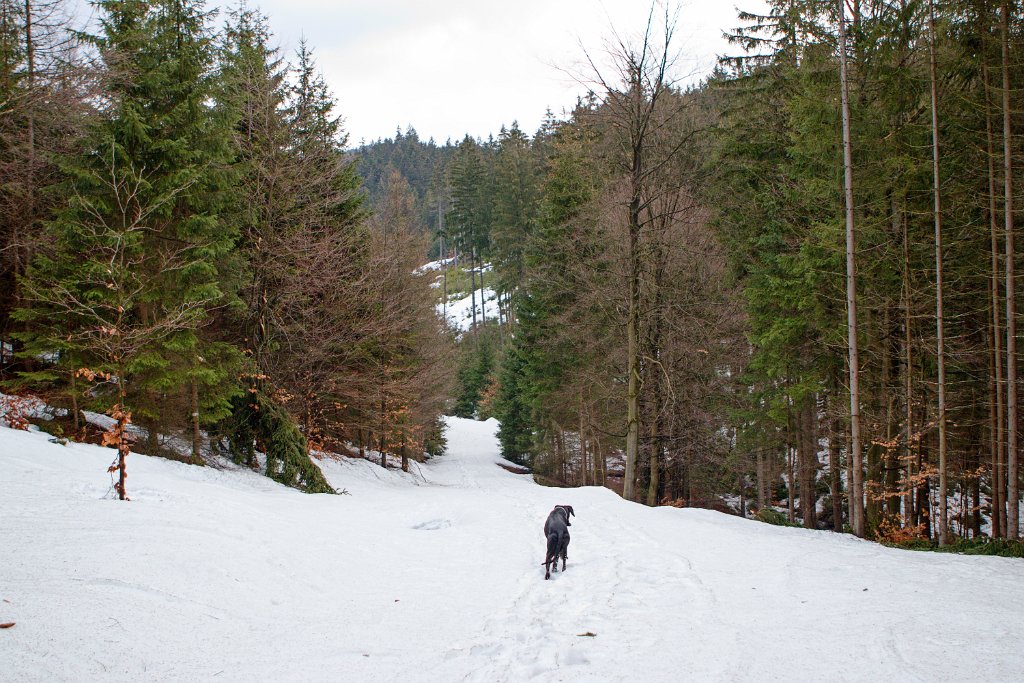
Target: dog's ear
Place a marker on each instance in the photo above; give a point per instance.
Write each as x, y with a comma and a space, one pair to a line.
569, 508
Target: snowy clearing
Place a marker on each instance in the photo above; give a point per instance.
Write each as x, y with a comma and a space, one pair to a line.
436, 575
459, 312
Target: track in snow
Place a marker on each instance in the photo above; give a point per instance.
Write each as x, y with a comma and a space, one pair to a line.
212, 575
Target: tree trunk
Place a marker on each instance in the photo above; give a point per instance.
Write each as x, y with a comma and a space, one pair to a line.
483, 298
791, 455
633, 358
444, 269
790, 484
760, 480
657, 446
472, 284
583, 445
383, 431
889, 478
939, 313
808, 464
74, 403
834, 478
121, 413
998, 403
857, 485
908, 386
1012, 491
197, 435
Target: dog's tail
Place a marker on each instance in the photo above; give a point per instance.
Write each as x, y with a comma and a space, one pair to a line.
553, 543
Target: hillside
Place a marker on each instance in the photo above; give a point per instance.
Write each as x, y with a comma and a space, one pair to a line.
423, 164
221, 574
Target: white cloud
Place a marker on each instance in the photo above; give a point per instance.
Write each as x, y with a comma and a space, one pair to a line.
449, 67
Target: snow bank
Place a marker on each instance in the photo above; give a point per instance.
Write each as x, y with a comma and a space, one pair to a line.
435, 575
433, 265
459, 312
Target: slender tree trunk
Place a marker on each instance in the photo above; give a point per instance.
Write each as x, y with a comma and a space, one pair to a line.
939, 313
472, 284
22, 238
383, 431
1012, 490
30, 57
908, 376
122, 434
444, 269
849, 474
791, 456
633, 356
924, 487
890, 456
857, 485
998, 403
655, 466
976, 506
583, 444
760, 480
743, 498
197, 435
483, 297
834, 467
560, 451
809, 465
74, 403
790, 484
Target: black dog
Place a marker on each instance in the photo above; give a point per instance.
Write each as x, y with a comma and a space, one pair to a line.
556, 531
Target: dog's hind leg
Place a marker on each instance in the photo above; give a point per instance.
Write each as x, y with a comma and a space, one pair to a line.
551, 556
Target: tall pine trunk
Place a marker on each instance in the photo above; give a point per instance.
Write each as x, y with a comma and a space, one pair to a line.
809, 463
909, 519
857, 459
835, 481
633, 322
472, 284
197, 435
939, 313
998, 397
1012, 491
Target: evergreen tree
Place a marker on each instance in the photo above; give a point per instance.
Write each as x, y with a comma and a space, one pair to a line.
516, 198
130, 272
476, 372
515, 433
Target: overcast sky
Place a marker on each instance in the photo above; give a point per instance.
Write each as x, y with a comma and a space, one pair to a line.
451, 67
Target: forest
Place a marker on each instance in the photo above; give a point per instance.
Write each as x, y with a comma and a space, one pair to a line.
788, 291
188, 246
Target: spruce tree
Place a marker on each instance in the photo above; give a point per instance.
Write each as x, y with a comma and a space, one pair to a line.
124, 288
516, 198
254, 93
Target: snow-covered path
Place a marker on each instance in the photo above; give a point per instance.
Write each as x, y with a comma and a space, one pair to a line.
436, 576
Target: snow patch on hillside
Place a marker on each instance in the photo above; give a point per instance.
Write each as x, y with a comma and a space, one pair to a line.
459, 312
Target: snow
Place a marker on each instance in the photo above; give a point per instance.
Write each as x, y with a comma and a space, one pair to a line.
460, 311
434, 265
435, 575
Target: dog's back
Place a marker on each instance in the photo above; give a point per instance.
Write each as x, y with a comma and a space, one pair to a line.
556, 530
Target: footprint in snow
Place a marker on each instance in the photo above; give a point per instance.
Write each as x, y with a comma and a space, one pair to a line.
433, 525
